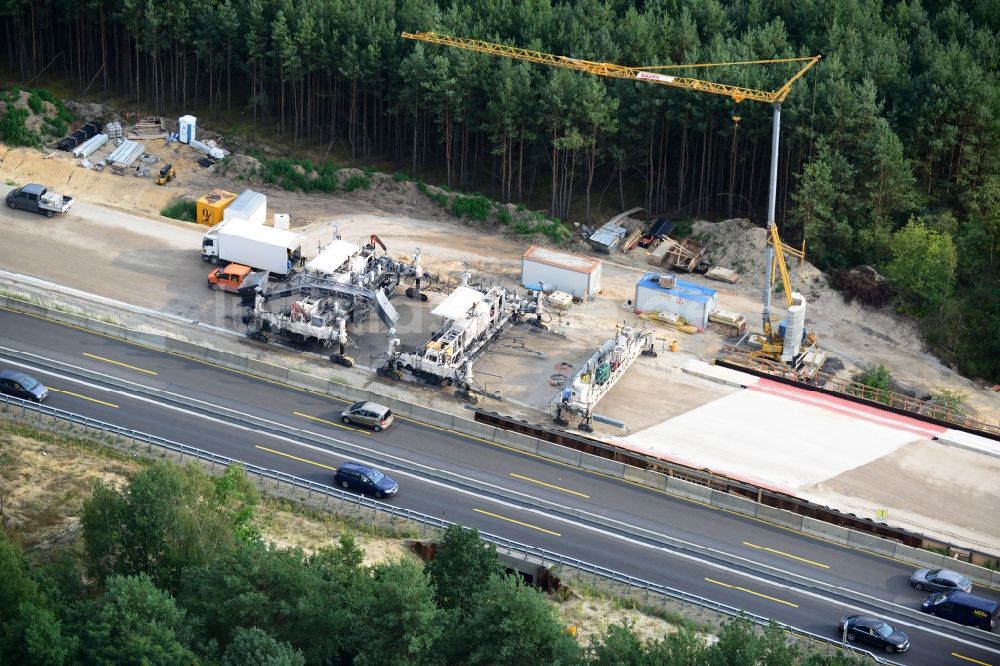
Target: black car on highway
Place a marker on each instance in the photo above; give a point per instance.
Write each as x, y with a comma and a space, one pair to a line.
874, 632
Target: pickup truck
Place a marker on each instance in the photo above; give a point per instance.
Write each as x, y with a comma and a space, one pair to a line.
37, 199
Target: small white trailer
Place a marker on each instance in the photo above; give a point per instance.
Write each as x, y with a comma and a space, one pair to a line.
560, 271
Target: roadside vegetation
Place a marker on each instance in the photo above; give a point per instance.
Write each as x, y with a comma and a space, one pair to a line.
174, 566
31, 117
185, 210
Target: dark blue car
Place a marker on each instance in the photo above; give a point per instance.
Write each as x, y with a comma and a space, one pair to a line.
365, 479
22, 386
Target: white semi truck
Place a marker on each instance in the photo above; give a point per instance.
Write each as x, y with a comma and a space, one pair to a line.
246, 242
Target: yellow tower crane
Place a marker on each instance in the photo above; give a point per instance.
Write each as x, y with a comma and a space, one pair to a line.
775, 260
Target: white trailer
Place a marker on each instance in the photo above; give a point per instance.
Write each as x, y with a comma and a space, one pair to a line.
559, 271
259, 247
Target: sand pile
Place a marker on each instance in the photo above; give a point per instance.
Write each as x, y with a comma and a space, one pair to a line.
740, 245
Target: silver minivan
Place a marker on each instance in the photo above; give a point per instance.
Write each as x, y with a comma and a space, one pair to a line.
375, 416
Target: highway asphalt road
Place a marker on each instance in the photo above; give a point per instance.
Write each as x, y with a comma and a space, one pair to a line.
475, 483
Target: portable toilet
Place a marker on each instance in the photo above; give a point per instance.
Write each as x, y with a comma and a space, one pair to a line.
185, 128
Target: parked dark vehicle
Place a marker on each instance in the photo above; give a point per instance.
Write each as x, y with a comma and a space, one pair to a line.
940, 580
21, 385
375, 416
37, 199
368, 480
963, 608
873, 631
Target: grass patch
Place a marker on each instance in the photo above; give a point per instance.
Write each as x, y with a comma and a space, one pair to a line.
438, 198
358, 182
304, 176
185, 210
473, 208
683, 227
12, 129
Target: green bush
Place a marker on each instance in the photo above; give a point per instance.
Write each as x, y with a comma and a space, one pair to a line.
46, 96
185, 210
439, 199
12, 129
306, 178
504, 216
358, 182
874, 383
56, 126
475, 208
683, 227
556, 231
401, 177
35, 103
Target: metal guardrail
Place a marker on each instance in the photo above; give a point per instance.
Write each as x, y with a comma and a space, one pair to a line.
507, 546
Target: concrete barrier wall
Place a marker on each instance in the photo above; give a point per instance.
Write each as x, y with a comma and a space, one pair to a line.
226, 360
307, 381
689, 490
186, 349
399, 407
780, 517
151, 340
871, 543
645, 477
733, 503
267, 370
432, 417
560, 453
917, 556
825, 530
518, 441
602, 465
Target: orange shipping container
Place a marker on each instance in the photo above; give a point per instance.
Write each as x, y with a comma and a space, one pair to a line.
211, 206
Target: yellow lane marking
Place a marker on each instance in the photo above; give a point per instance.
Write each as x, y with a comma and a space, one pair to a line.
289, 455
970, 659
549, 485
789, 555
333, 423
516, 522
124, 365
83, 397
756, 594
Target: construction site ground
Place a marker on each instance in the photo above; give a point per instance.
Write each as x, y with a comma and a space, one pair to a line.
114, 244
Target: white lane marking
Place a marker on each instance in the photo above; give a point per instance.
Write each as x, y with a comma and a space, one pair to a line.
539, 512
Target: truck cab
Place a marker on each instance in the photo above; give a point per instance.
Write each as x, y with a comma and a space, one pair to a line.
229, 278
37, 199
